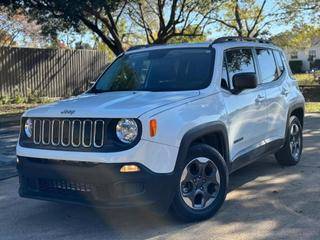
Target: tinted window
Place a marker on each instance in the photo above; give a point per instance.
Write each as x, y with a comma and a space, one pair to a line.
267, 65
279, 61
239, 61
159, 70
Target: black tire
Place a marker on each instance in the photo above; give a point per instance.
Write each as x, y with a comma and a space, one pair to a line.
186, 213
285, 156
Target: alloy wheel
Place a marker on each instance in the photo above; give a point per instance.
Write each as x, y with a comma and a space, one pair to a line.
200, 183
295, 141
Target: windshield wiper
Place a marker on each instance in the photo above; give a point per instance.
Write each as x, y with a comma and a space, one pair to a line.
94, 90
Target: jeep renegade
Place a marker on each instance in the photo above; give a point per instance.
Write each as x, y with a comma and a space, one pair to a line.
164, 126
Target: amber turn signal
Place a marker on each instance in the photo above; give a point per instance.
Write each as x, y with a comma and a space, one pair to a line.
129, 169
153, 127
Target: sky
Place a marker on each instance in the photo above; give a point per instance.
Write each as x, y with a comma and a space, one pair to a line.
214, 31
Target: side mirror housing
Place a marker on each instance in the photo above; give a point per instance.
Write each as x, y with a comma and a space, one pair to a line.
242, 81
90, 85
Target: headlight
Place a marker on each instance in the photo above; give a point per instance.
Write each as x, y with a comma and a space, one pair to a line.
28, 128
127, 130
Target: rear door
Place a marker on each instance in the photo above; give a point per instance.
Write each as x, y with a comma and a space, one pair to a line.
247, 116
273, 76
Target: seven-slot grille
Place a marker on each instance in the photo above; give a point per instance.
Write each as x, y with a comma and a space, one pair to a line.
69, 132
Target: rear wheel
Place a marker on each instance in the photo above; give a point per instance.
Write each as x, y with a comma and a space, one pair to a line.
203, 184
290, 154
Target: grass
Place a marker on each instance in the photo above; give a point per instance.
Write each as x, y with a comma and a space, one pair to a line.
305, 79
312, 107
15, 105
15, 109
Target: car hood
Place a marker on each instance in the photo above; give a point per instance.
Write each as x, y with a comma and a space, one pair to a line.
110, 104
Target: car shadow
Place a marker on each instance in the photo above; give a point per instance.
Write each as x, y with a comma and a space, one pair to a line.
134, 223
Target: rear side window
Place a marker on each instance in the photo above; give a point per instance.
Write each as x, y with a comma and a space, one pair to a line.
267, 65
280, 63
239, 61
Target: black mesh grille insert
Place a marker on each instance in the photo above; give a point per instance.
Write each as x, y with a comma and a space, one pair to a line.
63, 185
76, 133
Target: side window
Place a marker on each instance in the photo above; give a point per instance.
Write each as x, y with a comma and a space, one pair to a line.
239, 61
267, 65
279, 61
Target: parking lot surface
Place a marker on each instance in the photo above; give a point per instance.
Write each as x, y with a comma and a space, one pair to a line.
265, 201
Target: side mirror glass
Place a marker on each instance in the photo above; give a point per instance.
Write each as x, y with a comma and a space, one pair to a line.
242, 81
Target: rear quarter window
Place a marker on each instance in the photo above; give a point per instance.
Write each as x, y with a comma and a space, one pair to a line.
279, 60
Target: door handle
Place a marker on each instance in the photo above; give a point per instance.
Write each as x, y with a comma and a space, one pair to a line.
284, 91
259, 99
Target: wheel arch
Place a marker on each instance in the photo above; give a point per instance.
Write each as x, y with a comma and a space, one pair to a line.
211, 133
298, 111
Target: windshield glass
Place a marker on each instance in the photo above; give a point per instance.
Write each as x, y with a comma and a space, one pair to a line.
158, 70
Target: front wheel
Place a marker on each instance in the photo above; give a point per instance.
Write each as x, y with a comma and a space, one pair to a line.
290, 154
203, 184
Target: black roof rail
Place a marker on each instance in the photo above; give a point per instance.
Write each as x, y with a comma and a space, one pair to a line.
240, 39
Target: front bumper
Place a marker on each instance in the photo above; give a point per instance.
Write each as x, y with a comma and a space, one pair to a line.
159, 158
94, 184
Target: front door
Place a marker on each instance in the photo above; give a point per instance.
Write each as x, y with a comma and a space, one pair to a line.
247, 116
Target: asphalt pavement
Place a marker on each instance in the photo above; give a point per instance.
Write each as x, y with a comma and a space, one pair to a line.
265, 201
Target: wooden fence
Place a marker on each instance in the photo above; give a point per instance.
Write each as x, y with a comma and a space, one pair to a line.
48, 72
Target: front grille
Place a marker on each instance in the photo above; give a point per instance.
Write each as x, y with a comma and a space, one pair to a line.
75, 133
63, 185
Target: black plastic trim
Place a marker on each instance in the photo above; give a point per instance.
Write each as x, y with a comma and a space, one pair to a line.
255, 154
292, 108
202, 130
154, 189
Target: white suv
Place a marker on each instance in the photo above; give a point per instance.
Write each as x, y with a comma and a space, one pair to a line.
165, 126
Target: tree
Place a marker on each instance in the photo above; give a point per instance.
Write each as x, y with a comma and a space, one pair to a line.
299, 37
6, 38
100, 16
247, 18
18, 29
162, 20
301, 9
198, 37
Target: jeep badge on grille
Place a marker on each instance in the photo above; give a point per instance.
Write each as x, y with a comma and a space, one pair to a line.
66, 111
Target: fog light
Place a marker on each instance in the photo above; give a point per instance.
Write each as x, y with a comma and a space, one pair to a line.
17, 160
129, 168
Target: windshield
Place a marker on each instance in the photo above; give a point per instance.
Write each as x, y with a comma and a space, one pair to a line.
158, 70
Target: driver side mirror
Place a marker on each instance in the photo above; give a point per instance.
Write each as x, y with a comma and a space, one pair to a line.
90, 85
242, 81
